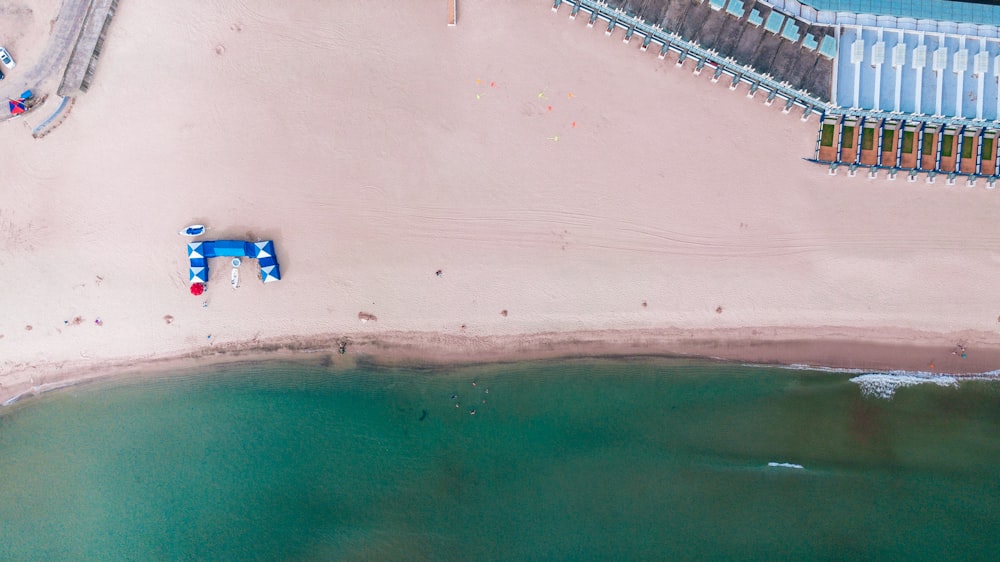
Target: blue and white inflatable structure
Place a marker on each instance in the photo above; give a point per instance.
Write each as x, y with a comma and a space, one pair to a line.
200, 252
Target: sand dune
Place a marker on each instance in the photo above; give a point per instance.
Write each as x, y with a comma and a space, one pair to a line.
376, 146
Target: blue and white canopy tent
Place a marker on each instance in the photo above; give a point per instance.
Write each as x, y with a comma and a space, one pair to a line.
200, 252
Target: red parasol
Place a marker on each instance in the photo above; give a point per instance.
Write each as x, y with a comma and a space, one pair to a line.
197, 288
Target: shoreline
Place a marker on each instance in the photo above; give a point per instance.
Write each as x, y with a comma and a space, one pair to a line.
700, 224
822, 349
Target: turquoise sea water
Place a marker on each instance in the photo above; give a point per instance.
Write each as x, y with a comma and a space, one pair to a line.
582, 460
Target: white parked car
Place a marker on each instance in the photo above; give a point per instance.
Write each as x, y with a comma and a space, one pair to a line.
6, 59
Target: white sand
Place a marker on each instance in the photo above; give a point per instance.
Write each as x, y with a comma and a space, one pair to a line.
366, 156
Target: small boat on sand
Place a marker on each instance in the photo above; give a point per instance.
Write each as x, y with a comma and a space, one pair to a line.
193, 230
235, 278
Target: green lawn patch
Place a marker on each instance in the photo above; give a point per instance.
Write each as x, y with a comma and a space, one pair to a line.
987, 148
908, 142
887, 138
967, 144
948, 146
928, 144
848, 141
827, 138
867, 138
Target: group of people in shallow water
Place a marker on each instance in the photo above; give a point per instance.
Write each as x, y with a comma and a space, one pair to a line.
472, 411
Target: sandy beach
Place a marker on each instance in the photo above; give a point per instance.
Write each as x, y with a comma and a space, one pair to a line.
577, 195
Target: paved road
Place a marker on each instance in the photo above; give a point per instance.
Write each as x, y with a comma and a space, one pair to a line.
53, 60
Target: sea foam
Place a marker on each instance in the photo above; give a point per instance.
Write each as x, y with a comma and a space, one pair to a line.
884, 385
785, 465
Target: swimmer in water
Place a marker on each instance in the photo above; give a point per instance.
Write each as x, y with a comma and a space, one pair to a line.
454, 397
473, 383
457, 404
487, 391
472, 412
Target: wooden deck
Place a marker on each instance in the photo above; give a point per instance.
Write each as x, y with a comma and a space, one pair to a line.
828, 145
908, 158
850, 137
890, 140
837, 134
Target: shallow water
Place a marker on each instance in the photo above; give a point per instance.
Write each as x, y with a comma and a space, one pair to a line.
564, 460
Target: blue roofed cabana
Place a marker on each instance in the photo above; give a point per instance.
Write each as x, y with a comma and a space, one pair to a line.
200, 252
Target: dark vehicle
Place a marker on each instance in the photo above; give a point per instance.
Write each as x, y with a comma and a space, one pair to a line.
1, 75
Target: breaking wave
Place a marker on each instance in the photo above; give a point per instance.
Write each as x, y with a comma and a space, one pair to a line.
785, 465
884, 385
